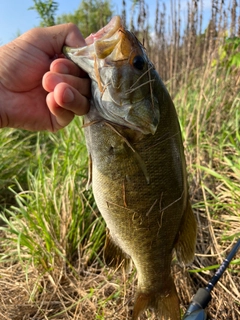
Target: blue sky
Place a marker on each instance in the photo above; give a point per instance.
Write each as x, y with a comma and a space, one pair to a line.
16, 18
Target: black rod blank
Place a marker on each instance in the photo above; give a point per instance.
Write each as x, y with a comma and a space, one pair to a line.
202, 298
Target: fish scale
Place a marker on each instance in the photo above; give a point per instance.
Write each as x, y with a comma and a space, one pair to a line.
138, 172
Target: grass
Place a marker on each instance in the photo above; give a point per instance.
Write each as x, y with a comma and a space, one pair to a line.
52, 234
47, 218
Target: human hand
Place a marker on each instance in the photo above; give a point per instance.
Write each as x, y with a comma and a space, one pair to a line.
31, 96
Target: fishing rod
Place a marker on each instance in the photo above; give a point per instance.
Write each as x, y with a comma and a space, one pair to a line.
196, 309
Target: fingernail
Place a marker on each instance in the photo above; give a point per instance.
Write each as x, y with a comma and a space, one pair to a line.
68, 95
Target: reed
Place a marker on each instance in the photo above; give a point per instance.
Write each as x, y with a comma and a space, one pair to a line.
177, 42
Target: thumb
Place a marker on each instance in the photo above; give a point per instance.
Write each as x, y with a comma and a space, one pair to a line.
52, 39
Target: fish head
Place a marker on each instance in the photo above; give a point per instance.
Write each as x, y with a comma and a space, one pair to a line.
123, 78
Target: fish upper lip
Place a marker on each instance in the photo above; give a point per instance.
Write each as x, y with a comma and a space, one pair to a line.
106, 33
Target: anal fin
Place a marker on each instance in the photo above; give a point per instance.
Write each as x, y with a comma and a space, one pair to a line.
114, 256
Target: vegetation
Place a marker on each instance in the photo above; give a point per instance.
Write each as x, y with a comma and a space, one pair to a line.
51, 232
46, 10
91, 16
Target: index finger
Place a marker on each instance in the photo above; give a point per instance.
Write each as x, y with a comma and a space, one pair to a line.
65, 66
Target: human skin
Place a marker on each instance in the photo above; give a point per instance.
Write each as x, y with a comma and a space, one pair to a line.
39, 88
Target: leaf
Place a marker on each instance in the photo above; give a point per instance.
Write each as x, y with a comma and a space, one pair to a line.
235, 61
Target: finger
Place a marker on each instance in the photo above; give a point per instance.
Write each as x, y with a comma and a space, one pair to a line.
60, 117
51, 79
66, 66
65, 34
52, 39
69, 98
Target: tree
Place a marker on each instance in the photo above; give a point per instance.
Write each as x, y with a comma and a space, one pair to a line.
46, 11
90, 16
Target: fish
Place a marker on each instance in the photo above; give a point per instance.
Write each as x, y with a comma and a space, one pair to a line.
137, 166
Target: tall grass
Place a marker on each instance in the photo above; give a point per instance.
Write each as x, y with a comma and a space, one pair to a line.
53, 216
177, 42
51, 232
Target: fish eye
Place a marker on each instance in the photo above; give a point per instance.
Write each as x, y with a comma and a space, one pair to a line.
138, 62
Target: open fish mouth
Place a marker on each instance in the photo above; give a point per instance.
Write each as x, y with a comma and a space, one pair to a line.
106, 32
98, 44
123, 77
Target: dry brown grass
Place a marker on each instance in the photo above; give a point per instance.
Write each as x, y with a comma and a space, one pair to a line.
96, 293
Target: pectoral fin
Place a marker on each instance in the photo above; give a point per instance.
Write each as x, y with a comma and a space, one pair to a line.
186, 242
114, 255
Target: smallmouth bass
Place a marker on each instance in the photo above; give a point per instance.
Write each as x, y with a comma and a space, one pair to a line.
138, 167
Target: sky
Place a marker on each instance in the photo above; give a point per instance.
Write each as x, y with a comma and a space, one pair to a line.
16, 18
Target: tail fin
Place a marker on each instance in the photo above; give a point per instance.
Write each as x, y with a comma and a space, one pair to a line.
166, 306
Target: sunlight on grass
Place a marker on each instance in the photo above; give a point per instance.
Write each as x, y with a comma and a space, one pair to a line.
55, 215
